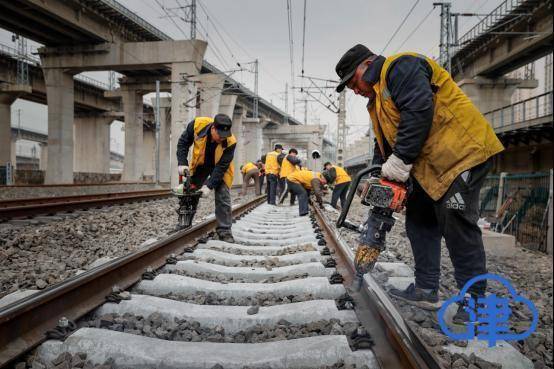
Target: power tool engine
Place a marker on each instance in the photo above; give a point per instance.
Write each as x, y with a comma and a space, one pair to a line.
188, 201
384, 197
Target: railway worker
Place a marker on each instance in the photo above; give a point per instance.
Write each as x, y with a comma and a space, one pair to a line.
303, 182
281, 182
272, 169
428, 130
211, 166
261, 165
290, 164
341, 179
250, 171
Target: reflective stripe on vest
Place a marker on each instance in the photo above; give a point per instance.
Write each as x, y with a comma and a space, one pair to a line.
199, 149
271, 163
460, 137
342, 176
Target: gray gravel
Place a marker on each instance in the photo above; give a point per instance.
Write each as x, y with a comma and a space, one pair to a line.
37, 256
156, 326
530, 273
224, 279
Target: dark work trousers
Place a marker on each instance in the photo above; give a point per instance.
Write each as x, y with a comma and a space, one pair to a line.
253, 174
454, 217
285, 193
281, 186
339, 192
222, 195
300, 192
262, 178
272, 182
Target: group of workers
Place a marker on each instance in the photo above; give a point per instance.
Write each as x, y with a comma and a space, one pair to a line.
427, 130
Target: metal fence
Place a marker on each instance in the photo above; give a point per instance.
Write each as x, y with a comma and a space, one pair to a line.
523, 208
522, 111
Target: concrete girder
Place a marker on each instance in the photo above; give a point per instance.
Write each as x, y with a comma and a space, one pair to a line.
123, 56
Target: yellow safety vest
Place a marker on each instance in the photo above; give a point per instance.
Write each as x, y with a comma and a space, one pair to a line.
271, 163
460, 137
303, 178
199, 149
248, 167
286, 168
342, 176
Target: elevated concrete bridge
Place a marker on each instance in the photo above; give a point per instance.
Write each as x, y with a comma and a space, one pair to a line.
88, 35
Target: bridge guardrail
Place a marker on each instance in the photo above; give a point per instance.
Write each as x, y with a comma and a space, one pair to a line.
522, 111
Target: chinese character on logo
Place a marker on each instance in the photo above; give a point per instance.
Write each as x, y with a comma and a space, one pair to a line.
488, 316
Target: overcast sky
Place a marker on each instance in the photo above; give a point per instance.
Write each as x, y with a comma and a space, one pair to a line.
242, 30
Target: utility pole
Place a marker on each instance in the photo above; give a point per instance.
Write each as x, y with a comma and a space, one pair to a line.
157, 114
22, 67
286, 102
192, 19
256, 98
445, 35
341, 129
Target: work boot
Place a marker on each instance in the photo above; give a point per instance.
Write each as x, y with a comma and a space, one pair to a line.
418, 297
226, 237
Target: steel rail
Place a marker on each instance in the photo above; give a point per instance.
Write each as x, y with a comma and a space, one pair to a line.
23, 324
396, 345
23, 208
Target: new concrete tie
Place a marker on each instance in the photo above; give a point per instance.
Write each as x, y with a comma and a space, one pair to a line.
223, 257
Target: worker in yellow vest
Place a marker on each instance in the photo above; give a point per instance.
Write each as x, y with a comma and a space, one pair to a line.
290, 164
428, 130
250, 171
303, 182
272, 169
341, 179
211, 166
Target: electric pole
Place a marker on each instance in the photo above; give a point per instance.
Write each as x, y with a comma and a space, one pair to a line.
256, 98
341, 129
193, 19
445, 35
286, 102
22, 67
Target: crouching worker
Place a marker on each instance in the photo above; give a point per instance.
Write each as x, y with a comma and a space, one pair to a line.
341, 179
301, 182
250, 171
211, 166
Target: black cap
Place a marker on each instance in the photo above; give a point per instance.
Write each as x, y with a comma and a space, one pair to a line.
222, 124
278, 147
346, 67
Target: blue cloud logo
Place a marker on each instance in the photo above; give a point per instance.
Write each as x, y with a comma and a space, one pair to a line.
488, 316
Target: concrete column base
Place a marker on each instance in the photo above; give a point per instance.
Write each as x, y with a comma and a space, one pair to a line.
92, 144
149, 153
133, 110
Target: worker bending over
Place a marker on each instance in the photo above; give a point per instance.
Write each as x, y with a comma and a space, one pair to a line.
290, 164
301, 182
272, 169
250, 171
428, 130
211, 166
341, 179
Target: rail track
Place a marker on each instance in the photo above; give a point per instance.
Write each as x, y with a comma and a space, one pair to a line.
31, 207
276, 298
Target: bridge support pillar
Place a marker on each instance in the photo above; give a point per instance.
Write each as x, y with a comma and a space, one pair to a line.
165, 138
227, 107
43, 160
149, 153
92, 144
133, 111
252, 138
183, 108
6, 101
210, 86
488, 94
59, 96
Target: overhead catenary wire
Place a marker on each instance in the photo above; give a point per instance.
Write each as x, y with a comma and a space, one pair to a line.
400, 25
414, 30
